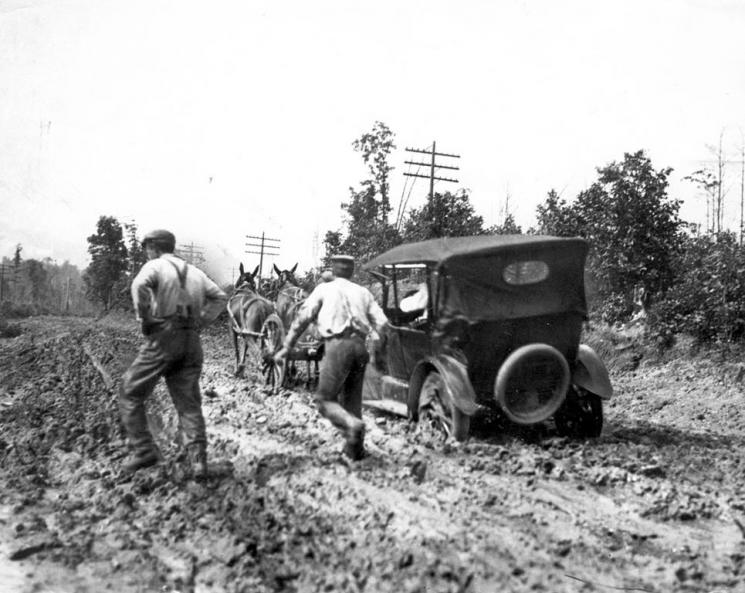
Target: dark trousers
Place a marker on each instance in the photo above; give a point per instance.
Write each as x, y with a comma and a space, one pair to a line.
175, 354
339, 393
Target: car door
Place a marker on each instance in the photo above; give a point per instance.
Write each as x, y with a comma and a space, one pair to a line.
395, 362
415, 344
410, 333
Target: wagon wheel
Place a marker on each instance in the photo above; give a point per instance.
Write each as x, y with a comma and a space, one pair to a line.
272, 336
581, 415
437, 411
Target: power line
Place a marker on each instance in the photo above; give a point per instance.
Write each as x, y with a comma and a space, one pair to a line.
403, 203
192, 254
432, 166
264, 245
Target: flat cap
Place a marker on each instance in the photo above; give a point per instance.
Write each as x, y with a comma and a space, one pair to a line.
161, 237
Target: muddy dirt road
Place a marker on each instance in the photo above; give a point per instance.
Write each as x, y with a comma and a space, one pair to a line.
655, 504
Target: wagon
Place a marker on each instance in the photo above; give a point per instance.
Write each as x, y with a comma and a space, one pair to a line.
308, 347
489, 324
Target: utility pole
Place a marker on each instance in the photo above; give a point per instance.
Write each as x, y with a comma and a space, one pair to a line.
316, 246
265, 245
192, 254
432, 166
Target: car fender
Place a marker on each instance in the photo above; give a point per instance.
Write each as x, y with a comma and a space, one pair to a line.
454, 375
590, 373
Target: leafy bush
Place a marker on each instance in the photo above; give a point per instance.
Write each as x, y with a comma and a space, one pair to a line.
612, 308
707, 299
10, 310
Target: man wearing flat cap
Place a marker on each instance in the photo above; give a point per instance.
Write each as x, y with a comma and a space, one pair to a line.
345, 314
172, 301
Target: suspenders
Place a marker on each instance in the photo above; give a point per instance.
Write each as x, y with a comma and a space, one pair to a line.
183, 307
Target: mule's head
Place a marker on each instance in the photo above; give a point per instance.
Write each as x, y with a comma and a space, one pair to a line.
246, 280
286, 277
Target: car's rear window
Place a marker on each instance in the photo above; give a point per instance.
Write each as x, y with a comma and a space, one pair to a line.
520, 273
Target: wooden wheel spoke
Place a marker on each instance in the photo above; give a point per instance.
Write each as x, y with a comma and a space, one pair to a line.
272, 336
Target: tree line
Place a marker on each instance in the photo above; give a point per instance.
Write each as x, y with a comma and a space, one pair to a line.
692, 281
36, 287
30, 286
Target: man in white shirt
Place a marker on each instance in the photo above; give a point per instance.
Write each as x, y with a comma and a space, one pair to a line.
172, 301
345, 313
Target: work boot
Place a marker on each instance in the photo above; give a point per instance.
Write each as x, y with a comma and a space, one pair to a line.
355, 435
197, 458
140, 460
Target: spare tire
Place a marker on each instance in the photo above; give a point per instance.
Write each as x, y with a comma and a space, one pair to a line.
532, 383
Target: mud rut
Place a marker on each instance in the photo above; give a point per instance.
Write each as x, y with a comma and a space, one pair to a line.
655, 504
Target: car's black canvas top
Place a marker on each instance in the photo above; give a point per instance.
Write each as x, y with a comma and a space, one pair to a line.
472, 273
442, 249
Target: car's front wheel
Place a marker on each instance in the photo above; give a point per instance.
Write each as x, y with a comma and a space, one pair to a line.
437, 410
581, 414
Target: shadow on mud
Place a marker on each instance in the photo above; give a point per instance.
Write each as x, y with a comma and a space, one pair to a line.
663, 436
496, 430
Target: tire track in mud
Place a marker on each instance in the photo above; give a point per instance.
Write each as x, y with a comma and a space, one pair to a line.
506, 513
603, 535
544, 520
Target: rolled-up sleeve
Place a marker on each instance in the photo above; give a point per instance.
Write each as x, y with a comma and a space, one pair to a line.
142, 290
376, 315
214, 301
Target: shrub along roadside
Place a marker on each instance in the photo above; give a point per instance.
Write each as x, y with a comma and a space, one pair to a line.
707, 298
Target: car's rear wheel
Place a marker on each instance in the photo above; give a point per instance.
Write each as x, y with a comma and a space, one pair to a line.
438, 412
581, 415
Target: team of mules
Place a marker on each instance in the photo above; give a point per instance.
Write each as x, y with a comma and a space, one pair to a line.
261, 316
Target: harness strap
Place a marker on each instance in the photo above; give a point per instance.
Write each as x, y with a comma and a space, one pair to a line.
238, 326
295, 294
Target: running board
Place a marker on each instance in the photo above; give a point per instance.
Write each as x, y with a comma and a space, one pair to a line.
388, 405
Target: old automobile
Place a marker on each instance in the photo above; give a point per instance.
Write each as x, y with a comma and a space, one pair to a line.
488, 324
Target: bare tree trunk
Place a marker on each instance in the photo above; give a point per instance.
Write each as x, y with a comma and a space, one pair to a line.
720, 172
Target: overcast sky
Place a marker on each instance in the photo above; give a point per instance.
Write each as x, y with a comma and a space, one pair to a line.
222, 119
